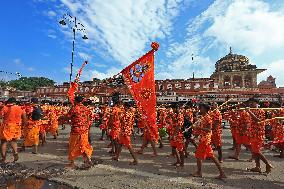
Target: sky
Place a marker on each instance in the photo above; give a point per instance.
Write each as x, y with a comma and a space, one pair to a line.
33, 43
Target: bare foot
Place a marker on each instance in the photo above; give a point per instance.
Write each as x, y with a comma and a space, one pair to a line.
70, 166
139, 152
233, 157
255, 169
269, 169
171, 155
133, 163
221, 176
16, 157
154, 155
249, 160
180, 166
199, 175
111, 152
186, 155
3, 160
86, 166
176, 164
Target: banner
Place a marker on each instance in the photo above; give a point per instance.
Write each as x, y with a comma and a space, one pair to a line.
139, 77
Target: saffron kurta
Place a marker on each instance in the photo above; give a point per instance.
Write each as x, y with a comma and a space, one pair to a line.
204, 148
78, 140
127, 128
12, 120
217, 129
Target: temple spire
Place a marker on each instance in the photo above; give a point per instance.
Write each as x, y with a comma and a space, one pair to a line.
231, 52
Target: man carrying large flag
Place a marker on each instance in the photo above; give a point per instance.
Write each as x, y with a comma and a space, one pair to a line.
80, 117
139, 77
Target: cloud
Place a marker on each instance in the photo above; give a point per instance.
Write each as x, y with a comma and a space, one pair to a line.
254, 28
51, 14
249, 25
52, 36
124, 28
84, 56
88, 74
275, 69
17, 61
99, 65
31, 69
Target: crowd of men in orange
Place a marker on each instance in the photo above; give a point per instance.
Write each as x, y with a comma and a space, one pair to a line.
200, 125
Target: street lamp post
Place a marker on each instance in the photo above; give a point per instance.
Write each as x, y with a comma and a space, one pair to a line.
75, 26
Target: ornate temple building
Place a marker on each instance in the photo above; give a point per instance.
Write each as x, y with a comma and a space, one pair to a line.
235, 72
234, 77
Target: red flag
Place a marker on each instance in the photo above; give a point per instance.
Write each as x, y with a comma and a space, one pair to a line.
74, 85
139, 77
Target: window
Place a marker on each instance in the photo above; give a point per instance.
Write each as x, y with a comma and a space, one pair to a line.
178, 86
187, 86
161, 87
206, 86
196, 86
170, 87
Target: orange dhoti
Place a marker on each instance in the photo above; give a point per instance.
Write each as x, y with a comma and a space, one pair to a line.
10, 131
178, 143
256, 145
53, 128
31, 133
79, 145
217, 139
103, 126
114, 134
242, 139
125, 140
43, 126
203, 151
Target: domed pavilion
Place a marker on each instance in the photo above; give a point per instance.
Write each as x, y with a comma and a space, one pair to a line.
235, 72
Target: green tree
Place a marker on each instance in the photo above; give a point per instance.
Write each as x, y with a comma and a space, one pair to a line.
30, 83
3, 83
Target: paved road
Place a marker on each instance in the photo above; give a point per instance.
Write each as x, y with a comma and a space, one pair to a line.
151, 172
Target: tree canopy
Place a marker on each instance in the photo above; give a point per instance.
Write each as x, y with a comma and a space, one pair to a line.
30, 83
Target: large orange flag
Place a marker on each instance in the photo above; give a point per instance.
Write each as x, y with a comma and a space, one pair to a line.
139, 77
